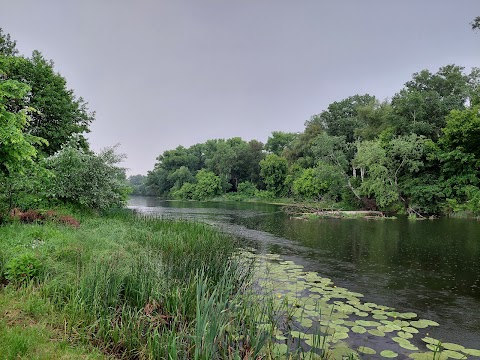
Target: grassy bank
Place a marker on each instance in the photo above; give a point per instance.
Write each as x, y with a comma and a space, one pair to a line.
121, 286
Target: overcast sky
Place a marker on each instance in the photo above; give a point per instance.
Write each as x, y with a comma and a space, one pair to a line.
160, 74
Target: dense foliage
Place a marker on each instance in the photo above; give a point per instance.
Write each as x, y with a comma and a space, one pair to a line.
418, 153
44, 157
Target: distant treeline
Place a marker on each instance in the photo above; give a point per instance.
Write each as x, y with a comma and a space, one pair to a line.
418, 152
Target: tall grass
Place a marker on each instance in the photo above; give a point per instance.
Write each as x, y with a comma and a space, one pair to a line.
135, 287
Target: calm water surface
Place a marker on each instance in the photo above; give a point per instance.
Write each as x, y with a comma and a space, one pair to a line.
429, 267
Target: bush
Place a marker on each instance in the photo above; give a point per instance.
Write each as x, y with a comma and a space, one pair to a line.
87, 179
246, 188
22, 268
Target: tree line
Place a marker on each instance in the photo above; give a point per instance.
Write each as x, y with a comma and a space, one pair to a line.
418, 152
45, 159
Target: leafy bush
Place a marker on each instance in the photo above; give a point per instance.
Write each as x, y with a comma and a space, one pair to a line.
246, 188
22, 268
185, 192
208, 185
88, 179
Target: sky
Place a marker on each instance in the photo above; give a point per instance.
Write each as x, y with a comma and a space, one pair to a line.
163, 73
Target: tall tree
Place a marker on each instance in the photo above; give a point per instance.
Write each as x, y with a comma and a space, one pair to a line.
279, 141
59, 113
340, 119
274, 172
422, 105
8, 47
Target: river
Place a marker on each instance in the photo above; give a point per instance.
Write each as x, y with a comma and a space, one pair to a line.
430, 267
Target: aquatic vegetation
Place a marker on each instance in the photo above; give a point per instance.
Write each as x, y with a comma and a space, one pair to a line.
318, 309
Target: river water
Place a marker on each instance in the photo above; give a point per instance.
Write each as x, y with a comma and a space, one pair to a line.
429, 267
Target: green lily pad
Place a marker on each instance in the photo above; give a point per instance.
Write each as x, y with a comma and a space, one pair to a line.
421, 324
367, 323
404, 335
279, 349
428, 356
386, 328
399, 340
430, 340
341, 352
340, 328
454, 347
299, 335
362, 313
388, 354
379, 317
359, 329
401, 323
407, 345
409, 315
453, 354
339, 336
472, 352
391, 324
433, 347
411, 330
376, 332
366, 350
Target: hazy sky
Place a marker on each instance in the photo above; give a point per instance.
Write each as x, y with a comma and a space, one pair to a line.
160, 74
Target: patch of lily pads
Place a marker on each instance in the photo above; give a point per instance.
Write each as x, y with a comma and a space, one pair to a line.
318, 317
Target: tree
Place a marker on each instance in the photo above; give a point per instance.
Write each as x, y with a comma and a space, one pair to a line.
462, 131
16, 147
340, 119
476, 23
179, 177
422, 105
273, 170
59, 113
8, 47
386, 164
279, 141
138, 184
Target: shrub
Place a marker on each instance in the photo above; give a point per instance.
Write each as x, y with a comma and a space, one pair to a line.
87, 179
246, 188
22, 268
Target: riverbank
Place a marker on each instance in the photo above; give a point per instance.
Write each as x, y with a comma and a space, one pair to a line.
117, 286
125, 286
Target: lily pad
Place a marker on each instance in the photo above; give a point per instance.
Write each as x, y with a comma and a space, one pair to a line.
279, 349
404, 335
454, 347
411, 330
430, 340
367, 323
388, 354
359, 329
409, 315
453, 354
339, 336
366, 350
376, 332
386, 328
428, 356
362, 313
407, 345
421, 324
472, 352
341, 352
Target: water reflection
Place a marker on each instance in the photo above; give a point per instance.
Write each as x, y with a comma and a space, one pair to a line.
428, 267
